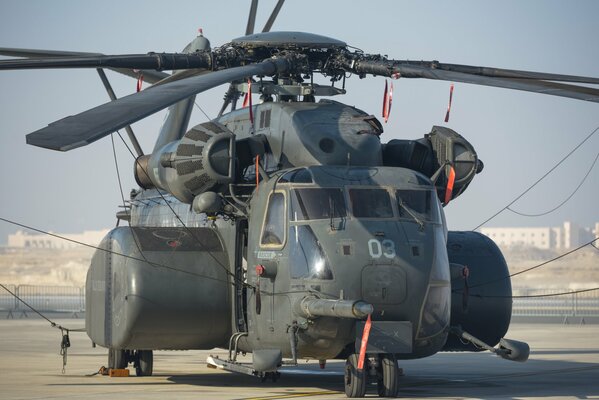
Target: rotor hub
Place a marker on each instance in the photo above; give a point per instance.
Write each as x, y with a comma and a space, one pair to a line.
289, 40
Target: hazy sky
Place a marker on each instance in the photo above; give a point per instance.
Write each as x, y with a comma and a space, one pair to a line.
518, 135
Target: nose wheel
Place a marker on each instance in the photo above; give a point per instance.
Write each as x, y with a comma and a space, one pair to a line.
354, 379
383, 368
387, 373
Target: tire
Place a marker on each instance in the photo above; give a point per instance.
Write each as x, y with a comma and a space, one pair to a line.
388, 375
117, 359
144, 362
354, 380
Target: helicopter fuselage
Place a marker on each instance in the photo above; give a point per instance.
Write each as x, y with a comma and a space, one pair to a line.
301, 225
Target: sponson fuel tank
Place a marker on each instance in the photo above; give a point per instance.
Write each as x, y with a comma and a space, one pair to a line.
481, 302
173, 296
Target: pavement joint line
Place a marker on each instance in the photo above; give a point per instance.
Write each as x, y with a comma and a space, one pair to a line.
502, 376
293, 395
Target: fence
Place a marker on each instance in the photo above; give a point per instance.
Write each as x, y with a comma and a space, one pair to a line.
72, 300
581, 305
65, 299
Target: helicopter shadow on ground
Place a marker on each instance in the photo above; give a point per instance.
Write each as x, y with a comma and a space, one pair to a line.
441, 376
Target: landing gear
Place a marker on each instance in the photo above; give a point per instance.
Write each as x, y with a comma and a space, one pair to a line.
383, 368
117, 359
273, 376
354, 379
143, 362
387, 375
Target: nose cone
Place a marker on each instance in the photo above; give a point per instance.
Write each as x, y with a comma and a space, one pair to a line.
384, 284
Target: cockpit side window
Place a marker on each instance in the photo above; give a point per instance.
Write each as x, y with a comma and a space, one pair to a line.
371, 203
273, 230
316, 203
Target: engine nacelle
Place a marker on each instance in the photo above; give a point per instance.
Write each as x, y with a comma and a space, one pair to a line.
202, 159
442, 146
485, 309
137, 305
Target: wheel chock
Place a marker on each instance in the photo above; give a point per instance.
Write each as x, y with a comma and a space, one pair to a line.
115, 373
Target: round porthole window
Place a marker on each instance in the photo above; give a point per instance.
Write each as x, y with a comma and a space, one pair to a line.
327, 145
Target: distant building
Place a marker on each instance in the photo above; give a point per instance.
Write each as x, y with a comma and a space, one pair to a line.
567, 236
40, 241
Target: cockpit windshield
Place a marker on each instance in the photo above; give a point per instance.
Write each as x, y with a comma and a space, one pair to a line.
317, 203
371, 203
416, 203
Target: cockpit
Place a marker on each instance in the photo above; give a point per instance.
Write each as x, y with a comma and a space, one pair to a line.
311, 200
308, 205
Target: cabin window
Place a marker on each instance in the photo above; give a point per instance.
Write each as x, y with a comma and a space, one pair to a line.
371, 203
273, 231
316, 203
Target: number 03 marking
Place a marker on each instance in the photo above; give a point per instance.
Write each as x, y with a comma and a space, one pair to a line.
385, 248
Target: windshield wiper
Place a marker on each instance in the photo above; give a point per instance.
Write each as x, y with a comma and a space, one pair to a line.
418, 220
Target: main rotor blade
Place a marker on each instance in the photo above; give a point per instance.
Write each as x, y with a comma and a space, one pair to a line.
528, 85
251, 18
273, 16
157, 61
149, 75
505, 73
427, 70
113, 97
91, 125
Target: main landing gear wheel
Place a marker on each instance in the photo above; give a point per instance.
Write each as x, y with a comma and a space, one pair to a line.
354, 380
144, 362
387, 373
117, 359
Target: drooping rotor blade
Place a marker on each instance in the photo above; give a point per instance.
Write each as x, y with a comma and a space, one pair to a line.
506, 73
252, 18
157, 61
273, 16
37, 53
113, 97
149, 75
91, 125
409, 69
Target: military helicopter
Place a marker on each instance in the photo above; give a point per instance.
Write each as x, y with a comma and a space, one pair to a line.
278, 228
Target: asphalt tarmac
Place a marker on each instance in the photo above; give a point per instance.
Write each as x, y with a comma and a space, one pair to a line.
564, 363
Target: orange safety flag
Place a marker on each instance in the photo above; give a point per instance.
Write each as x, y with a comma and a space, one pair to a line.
450, 182
364, 343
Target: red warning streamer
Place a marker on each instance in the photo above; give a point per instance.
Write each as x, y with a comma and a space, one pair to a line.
364, 343
384, 113
449, 105
387, 100
449, 188
257, 174
140, 81
247, 101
